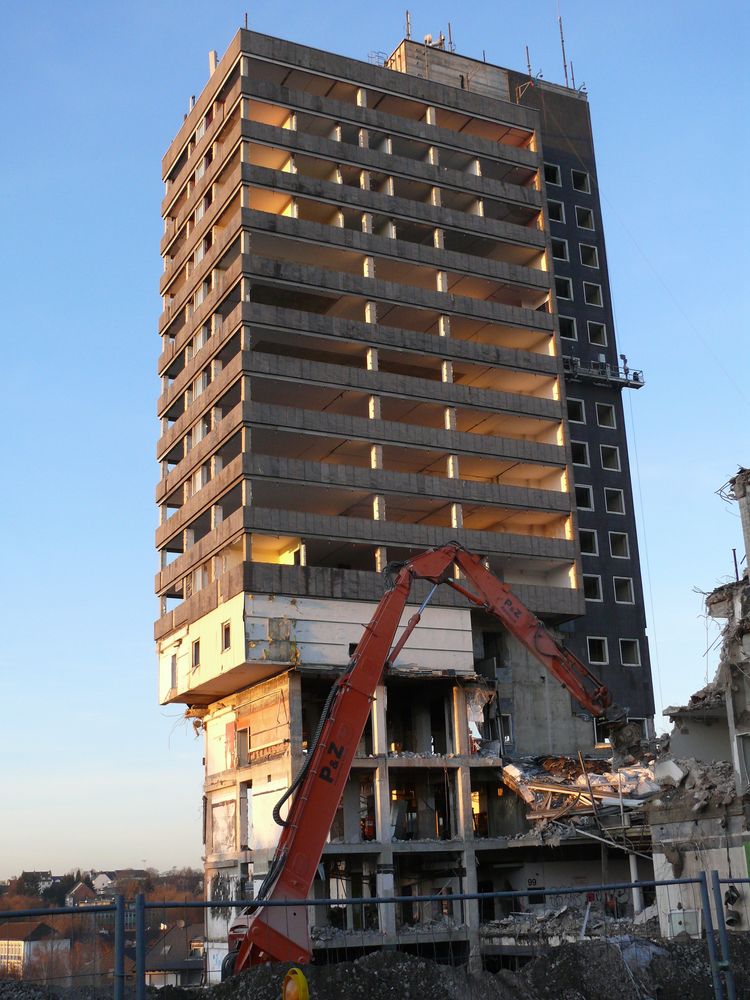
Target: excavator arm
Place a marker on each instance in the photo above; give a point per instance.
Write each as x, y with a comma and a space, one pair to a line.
280, 933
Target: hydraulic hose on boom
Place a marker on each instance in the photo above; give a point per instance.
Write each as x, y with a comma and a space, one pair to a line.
280, 933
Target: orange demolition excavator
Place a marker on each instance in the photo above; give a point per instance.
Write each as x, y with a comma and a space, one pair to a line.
280, 933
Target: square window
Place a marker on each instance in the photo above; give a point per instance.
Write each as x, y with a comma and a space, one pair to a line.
605, 415
576, 411
584, 217
584, 498
579, 451
592, 294
552, 174
568, 328
564, 288
597, 333
614, 501
589, 542
560, 249
581, 181
610, 456
556, 211
619, 547
597, 648
630, 653
589, 255
226, 636
196, 654
592, 588
623, 590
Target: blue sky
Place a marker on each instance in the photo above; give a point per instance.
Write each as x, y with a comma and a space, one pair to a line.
95, 772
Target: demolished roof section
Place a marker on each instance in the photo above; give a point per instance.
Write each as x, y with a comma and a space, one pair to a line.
553, 787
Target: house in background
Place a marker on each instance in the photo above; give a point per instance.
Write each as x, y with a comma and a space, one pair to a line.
176, 959
31, 949
80, 894
102, 881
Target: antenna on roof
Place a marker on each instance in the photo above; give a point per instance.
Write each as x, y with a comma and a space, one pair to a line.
245, 18
528, 61
451, 46
408, 25
572, 75
562, 45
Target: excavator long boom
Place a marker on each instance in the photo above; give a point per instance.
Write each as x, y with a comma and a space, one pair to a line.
280, 933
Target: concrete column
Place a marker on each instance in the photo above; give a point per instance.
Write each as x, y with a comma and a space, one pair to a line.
351, 812
368, 267
363, 139
385, 885
364, 180
460, 721
435, 197
336, 132
378, 717
378, 507
372, 359
247, 492
637, 893
381, 558
457, 515
432, 156
446, 371
391, 231
366, 222
430, 116
449, 418
438, 239
373, 408
444, 326
361, 97
471, 910
441, 283
476, 168
371, 312
245, 241
376, 456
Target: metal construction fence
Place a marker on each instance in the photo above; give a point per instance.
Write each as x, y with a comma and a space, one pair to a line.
119, 945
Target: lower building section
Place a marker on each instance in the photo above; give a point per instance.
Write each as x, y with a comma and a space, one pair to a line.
425, 810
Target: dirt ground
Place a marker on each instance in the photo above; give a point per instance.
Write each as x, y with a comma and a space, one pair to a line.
623, 968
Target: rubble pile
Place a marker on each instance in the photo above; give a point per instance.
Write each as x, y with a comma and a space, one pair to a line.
566, 924
621, 967
695, 784
554, 787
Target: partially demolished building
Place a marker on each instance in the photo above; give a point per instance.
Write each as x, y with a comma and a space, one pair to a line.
363, 356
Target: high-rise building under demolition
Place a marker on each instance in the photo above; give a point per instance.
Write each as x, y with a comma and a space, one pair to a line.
386, 324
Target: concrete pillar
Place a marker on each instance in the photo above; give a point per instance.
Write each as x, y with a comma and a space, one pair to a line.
371, 312
373, 408
441, 281
449, 418
637, 893
391, 232
376, 456
438, 239
372, 359
364, 180
444, 326
378, 717
368, 267
366, 222
361, 97
460, 721
471, 910
385, 888
363, 138
457, 515
433, 156
378, 507
435, 197
430, 116
381, 558
351, 812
